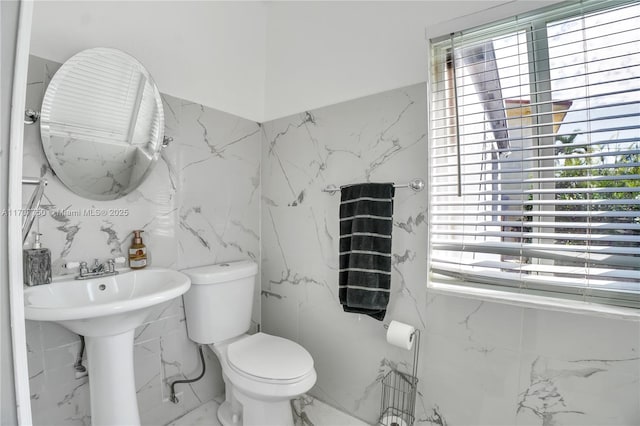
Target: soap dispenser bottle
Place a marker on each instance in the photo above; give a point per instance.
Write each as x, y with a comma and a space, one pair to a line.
36, 263
137, 252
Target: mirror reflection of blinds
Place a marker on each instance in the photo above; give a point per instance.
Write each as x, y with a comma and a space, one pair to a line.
107, 99
147, 126
553, 203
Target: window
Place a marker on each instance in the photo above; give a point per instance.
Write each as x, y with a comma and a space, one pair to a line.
535, 154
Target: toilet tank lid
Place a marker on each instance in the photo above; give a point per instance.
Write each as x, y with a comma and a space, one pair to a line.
221, 272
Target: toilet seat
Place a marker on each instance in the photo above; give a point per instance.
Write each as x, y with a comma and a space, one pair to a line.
270, 359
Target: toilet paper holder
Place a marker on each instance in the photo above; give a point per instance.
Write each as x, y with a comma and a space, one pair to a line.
386, 327
399, 390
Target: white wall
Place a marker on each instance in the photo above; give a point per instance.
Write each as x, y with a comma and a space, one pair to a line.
321, 53
209, 52
265, 60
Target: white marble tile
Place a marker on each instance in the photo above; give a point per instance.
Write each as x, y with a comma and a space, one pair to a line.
171, 309
309, 410
572, 336
37, 391
218, 164
465, 386
344, 143
181, 360
484, 325
35, 352
578, 391
148, 374
212, 383
155, 329
290, 239
62, 356
163, 413
204, 415
351, 357
280, 315
69, 404
146, 348
376, 139
55, 336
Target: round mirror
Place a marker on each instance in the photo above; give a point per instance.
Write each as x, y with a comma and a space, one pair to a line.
102, 123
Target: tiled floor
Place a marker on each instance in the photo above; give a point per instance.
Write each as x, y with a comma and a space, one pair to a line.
204, 415
308, 411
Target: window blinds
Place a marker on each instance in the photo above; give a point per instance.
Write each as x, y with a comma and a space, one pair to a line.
535, 154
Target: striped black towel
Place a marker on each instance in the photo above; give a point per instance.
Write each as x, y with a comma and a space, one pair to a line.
366, 222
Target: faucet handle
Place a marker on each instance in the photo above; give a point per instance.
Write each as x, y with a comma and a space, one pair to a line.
84, 269
72, 265
111, 265
112, 262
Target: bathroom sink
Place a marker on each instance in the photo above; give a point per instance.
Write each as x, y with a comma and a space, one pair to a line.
104, 305
106, 311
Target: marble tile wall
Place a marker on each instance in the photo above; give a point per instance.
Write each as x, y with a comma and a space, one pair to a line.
228, 189
481, 363
200, 205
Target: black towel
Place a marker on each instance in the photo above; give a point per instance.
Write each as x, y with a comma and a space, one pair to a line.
366, 222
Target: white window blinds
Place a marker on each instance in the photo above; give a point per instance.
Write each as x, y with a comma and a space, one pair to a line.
535, 154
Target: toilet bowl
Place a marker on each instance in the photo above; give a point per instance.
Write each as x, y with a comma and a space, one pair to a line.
262, 373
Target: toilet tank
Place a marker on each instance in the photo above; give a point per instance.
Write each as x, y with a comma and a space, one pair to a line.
218, 305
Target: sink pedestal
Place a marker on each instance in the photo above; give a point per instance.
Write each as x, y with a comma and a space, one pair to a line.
111, 380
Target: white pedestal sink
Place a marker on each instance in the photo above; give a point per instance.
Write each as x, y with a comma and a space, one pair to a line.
106, 312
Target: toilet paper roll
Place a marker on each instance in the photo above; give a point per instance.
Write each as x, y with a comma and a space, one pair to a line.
400, 335
392, 420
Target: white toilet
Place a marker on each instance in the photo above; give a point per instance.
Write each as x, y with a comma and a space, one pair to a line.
262, 373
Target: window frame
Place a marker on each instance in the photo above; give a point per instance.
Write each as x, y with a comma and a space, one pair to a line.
535, 24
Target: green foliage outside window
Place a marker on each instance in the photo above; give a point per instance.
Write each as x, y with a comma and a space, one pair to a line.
584, 162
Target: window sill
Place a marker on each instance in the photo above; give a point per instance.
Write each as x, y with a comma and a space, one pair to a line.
533, 301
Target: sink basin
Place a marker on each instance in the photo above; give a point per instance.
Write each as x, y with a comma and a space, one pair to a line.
106, 305
107, 310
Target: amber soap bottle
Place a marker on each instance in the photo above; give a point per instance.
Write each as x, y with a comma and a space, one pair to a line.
137, 252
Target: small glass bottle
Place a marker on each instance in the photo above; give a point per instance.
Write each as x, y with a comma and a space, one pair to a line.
137, 252
36, 263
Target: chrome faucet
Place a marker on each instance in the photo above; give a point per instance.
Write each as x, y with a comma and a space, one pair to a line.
97, 269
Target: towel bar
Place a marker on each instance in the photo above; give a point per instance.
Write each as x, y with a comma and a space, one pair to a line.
416, 185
